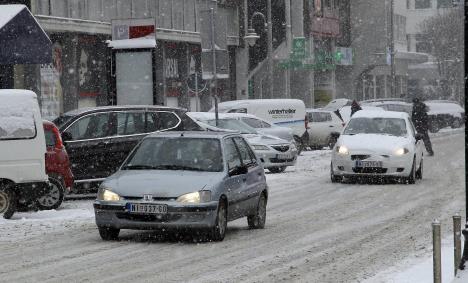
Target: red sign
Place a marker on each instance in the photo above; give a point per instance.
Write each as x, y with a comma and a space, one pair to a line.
140, 31
326, 27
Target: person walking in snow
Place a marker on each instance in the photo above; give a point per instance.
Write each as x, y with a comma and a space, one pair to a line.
355, 107
421, 123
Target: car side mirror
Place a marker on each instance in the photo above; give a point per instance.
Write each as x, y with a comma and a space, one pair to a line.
66, 137
239, 170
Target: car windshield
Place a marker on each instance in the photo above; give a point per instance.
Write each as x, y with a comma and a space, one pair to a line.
180, 153
232, 124
383, 126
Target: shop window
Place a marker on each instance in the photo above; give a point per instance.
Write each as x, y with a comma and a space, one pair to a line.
445, 3
423, 45
422, 4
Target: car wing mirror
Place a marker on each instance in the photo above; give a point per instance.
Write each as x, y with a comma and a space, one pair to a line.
239, 170
418, 136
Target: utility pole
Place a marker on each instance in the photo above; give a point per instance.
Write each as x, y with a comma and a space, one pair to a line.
392, 52
214, 81
270, 48
288, 45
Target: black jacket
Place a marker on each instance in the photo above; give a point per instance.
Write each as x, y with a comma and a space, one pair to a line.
419, 117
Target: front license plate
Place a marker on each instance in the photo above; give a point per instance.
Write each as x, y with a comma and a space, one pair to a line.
284, 156
147, 208
364, 164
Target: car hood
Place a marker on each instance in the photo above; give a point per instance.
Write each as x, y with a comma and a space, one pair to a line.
161, 183
263, 139
384, 144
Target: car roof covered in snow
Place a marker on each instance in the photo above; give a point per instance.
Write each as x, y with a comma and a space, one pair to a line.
209, 115
379, 114
16, 93
119, 107
193, 134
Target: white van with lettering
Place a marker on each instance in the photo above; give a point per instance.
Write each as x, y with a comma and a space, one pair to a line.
23, 177
289, 113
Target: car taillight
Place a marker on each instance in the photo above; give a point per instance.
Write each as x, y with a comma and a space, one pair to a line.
58, 138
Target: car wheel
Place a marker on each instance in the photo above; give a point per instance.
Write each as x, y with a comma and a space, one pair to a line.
456, 123
219, 230
334, 178
419, 173
276, 170
7, 202
108, 233
258, 220
332, 141
54, 198
411, 179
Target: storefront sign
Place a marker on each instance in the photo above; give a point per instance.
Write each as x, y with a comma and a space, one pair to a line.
132, 28
171, 68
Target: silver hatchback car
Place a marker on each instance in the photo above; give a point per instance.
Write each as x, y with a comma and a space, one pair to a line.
178, 180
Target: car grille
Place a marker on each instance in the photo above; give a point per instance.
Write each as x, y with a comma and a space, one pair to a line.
376, 170
147, 218
359, 157
282, 148
154, 198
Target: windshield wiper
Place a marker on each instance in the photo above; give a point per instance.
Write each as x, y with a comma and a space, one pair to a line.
177, 167
139, 167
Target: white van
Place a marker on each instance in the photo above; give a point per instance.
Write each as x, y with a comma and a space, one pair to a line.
289, 113
22, 150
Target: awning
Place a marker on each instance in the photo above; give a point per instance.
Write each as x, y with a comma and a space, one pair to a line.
22, 40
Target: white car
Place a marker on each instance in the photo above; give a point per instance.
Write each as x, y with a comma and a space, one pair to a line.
274, 153
337, 104
345, 112
390, 105
263, 126
324, 128
378, 143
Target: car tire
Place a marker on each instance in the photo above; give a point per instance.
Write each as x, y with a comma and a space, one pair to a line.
258, 220
456, 123
334, 178
276, 170
411, 179
7, 201
419, 173
219, 230
54, 198
109, 233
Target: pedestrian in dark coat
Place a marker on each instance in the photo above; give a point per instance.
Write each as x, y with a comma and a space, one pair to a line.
355, 107
421, 123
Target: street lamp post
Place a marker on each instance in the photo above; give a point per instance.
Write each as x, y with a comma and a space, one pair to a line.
392, 52
251, 37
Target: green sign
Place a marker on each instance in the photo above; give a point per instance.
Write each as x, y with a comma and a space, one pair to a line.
299, 48
323, 61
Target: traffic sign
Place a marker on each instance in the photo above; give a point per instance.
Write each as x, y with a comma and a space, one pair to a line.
298, 48
195, 83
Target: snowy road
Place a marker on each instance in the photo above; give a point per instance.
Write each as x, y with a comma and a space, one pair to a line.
316, 232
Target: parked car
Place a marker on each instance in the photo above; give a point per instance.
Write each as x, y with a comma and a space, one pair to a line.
444, 113
337, 104
275, 154
263, 126
324, 128
179, 180
99, 139
281, 112
57, 168
378, 144
390, 105
23, 177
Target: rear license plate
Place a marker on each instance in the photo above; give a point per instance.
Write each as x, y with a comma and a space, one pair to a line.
364, 164
147, 208
284, 156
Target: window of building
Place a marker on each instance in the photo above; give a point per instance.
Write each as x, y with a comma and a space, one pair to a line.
445, 3
422, 4
399, 27
423, 45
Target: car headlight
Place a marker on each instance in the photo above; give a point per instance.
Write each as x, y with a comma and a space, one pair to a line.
401, 151
342, 150
260, 147
108, 195
196, 197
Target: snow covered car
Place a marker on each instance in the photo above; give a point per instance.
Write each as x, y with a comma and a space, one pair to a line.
263, 126
275, 153
389, 104
444, 113
180, 180
378, 143
324, 128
